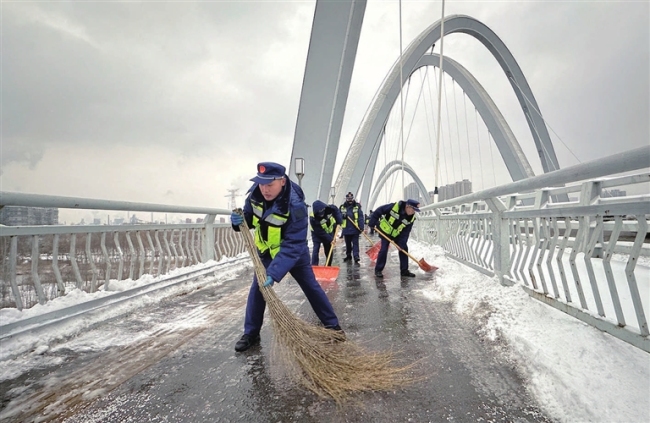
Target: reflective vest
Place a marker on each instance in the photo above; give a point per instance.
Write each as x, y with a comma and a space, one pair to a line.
268, 230
344, 212
392, 225
327, 223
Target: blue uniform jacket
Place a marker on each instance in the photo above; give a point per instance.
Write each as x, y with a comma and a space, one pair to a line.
350, 229
327, 210
294, 238
385, 210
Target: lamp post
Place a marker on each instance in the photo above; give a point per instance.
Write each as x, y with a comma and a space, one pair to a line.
332, 193
300, 169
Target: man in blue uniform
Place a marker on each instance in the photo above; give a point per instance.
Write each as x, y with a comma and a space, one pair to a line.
351, 209
323, 220
396, 221
276, 209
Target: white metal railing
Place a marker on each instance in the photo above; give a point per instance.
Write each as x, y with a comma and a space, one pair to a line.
580, 256
39, 263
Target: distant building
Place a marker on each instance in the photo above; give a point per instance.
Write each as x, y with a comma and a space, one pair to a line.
28, 216
457, 189
412, 191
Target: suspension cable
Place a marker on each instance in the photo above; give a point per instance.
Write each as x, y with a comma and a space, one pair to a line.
478, 140
401, 82
451, 144
469, 150
460, 161
442, 36
494, 173
545, 122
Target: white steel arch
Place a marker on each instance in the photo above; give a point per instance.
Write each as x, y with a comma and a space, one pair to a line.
506, 142
358, 158
389, 169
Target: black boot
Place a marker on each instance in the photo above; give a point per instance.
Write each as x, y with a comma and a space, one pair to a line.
378, 274
246, 341
347, 259
407, 273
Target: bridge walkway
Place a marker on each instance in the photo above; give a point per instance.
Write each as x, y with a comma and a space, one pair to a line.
181, 365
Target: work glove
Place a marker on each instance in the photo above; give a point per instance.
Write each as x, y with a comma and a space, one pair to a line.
269, 281
236, 219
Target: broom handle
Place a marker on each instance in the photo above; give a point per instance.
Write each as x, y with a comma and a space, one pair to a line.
336, 229
397, 246
258, 266
363, 232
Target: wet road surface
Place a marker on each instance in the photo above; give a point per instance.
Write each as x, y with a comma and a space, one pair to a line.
182, 367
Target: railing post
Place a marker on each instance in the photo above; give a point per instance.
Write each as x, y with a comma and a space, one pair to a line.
500, 239
207, 244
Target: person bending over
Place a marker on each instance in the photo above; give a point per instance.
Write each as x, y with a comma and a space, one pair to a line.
275, 207
394, 220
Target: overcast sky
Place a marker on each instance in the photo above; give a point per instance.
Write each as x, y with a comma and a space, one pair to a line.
175, 102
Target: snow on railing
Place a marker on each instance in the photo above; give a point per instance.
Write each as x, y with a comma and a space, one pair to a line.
39, 263
589, 257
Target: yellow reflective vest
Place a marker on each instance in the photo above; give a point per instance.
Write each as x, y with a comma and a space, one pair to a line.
391, 224
268, 230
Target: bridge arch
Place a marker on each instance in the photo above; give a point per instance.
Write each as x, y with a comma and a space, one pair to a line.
357, 163
506, 142
389, 169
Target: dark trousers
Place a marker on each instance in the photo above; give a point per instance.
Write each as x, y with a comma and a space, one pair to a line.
304, 275
352, 246
383, 255
327, 246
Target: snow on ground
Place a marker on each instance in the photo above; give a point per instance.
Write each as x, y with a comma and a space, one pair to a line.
576, 372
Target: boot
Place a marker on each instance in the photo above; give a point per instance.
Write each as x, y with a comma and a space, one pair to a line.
407, 273
246, 341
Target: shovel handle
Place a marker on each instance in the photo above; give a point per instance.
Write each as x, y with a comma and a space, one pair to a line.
336, 229
397, 246
357, 226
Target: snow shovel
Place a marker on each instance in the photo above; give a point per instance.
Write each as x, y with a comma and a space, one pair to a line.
423, 264
327, 273
374, 250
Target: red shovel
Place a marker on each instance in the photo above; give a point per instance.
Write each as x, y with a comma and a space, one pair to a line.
327, 273
423, 264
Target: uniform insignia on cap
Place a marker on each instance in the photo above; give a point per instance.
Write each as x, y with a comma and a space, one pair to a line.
262, 169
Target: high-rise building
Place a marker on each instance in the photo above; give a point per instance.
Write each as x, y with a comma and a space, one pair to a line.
412, 191
457, 189
28, 216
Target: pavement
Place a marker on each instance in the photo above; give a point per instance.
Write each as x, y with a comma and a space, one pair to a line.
182, 367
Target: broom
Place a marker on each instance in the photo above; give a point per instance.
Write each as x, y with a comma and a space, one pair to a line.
321, 359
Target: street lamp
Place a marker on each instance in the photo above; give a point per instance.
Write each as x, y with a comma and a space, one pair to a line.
333, 193
300, 169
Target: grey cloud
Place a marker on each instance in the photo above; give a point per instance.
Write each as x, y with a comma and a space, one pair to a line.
173, 75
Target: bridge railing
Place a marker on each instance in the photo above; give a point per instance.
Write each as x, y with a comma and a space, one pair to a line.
39, 263
580, 256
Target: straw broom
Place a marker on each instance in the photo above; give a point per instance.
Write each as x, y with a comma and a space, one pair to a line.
322, 359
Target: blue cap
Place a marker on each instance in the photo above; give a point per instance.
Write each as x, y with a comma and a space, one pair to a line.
414, 204
268, 172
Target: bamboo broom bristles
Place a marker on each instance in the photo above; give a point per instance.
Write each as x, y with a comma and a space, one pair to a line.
322, 359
